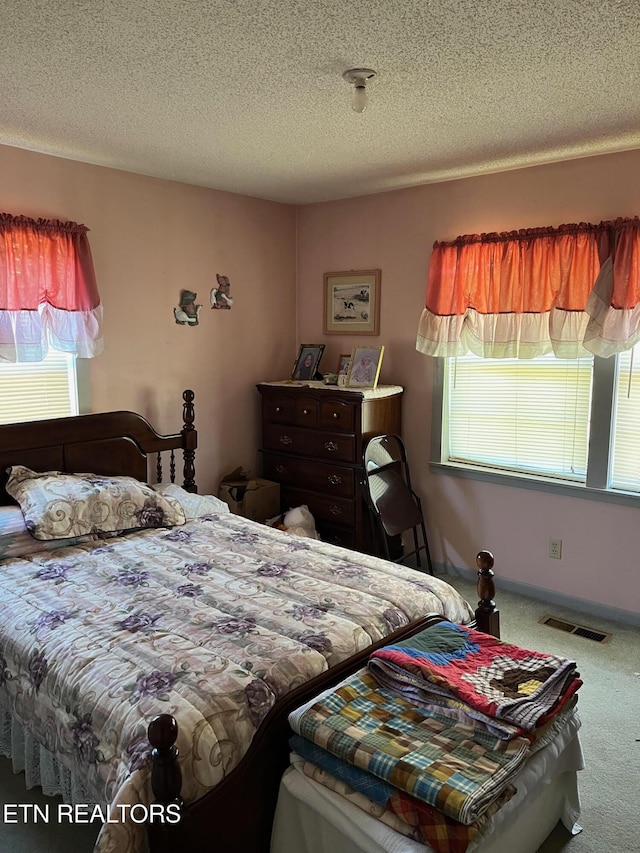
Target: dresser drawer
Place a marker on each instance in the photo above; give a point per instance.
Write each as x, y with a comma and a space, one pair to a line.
282, 469
278, 409
317, 476
343, 536
307, 411
336, 510
285, 437
332, 445
337, 415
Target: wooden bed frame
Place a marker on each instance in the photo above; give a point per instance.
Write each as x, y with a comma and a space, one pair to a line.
108, 443
238, 813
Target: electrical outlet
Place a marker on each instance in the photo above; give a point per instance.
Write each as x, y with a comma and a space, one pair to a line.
555, 548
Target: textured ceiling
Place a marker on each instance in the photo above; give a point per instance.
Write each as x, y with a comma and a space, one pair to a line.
247, 96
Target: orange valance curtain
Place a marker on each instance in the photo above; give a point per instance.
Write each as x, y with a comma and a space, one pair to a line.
48, 290
529, 292
614, 303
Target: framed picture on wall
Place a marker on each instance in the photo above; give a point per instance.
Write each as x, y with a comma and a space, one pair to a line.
364, 368
352, 302
307, 362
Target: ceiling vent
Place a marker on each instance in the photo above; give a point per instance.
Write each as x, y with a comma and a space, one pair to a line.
578, 630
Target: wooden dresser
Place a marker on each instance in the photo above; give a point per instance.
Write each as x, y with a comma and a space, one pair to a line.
313, 436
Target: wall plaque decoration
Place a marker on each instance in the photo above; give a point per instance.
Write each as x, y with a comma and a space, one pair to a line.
187, 312
220, 296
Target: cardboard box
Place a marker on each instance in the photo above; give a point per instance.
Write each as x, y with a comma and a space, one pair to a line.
254, 498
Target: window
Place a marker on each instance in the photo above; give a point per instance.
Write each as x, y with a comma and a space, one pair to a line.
572, 421
41, 389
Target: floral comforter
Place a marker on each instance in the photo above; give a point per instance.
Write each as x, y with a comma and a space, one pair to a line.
211, 621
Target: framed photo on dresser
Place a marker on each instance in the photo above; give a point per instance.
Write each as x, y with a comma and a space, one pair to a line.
364, 368
307, 362
342, 368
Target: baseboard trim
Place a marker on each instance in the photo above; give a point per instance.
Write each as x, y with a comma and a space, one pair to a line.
604, 611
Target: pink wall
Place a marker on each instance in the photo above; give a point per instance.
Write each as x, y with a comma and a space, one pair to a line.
150, 239
395, 231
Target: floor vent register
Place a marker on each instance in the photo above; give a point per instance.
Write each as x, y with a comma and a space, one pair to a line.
572, 628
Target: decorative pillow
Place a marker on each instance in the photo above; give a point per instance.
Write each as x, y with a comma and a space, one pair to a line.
194, 506
16, 541
58, 506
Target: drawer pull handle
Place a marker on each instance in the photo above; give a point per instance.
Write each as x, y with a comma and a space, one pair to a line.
336, 415
334, 479
335, 510
284, 439
278, 408
305, 411
281, 469
330, 445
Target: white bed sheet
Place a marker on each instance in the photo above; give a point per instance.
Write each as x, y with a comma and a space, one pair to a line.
313, 819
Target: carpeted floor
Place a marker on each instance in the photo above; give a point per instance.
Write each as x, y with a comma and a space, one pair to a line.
610, 735
30, 837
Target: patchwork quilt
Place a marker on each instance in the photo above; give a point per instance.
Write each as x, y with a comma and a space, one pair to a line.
396, 808
459, 768
512, 690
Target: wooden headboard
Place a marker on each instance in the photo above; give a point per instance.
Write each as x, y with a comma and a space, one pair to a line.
108, 443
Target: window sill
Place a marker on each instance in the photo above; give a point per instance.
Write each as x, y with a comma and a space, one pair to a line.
540, 484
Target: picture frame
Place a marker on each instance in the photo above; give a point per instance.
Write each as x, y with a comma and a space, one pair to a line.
364, 367
306, 364
352, 302
344, 359
342, 368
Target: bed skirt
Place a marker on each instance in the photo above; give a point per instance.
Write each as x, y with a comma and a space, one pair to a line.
39, 765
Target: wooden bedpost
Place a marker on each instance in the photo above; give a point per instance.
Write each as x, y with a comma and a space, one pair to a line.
166, 776
487, 615
190, 442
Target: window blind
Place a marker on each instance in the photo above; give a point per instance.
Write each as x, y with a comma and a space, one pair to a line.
527, 416
35, 390
625, 457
